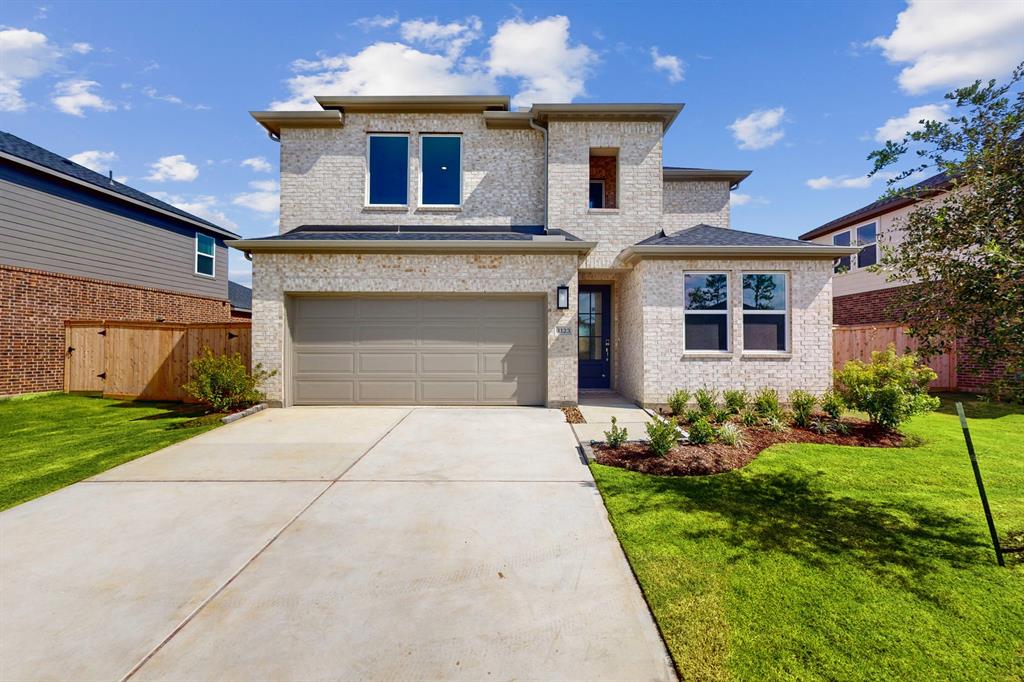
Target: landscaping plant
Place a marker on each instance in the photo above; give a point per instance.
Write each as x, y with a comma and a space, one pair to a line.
663, 435
692, 415
775, 424
616, 436
719, 415
701, 432
890, 389
802, 403
749, 418
677, 401
735, 401
832, 405
731, 434
766, 404
223, 382
707, 400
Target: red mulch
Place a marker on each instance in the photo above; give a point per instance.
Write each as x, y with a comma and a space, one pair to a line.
715, 458
573, 415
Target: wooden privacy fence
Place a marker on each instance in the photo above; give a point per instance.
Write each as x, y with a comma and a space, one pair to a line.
143, 360
856, 342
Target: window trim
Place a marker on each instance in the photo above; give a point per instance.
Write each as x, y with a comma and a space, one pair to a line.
599, 181
419, 199
366, 192
787, 321
855, 241
212, 257
727, 312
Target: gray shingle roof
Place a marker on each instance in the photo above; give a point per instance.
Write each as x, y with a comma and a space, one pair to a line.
23, 149
240, 296
418, 233
706, 235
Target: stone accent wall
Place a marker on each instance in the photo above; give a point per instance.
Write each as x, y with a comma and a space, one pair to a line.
323, 173
639, 187
666, 366
35, 304
275, 275
694, 202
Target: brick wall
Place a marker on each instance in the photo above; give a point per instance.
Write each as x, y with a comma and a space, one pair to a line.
693, 202
35, 304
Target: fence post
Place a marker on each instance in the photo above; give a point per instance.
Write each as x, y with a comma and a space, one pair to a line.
981, 486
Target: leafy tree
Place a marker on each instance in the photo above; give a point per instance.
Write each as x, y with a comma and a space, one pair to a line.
967, 245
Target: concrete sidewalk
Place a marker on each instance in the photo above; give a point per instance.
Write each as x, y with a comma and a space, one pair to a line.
598, 408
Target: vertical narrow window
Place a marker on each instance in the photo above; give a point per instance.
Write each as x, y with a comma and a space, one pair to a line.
440, 170
206, 259
706, 311
596, 194
866, 240
841, 264
765, 312
388, 164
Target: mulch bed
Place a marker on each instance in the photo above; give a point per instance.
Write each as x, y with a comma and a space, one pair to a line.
715, 458
573, 415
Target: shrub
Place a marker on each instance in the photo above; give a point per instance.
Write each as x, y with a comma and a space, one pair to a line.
891, 388
692, 415
223, 382
749, 418
701, 432
707, 400
731, 434
821, 426
832, 405
766, 403
719, 415
677, 401
802, 403
663, 435
735, 401
616, 436
775, 424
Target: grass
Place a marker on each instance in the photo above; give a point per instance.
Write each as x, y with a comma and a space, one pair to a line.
837, 563
51, 441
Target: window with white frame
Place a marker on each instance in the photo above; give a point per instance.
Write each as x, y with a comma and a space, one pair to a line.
867, 237
440, 170
206, 259
706, 311
841, 264
765, 311
387, 162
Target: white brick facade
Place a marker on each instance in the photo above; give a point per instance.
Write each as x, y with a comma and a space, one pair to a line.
694, 202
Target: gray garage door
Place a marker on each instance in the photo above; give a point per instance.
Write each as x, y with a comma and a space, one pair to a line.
418, 351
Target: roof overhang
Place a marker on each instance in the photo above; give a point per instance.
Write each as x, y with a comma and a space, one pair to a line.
664, 113
635, 253
734, 177
861, 216
409, 246
415, 104
273, 121
116, 195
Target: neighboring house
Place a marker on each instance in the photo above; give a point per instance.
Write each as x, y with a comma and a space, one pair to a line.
241, 300
77, 245
449, 250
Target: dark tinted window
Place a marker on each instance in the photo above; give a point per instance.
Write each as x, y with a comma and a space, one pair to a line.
389, 169
205, 254
596, 195
706, 314
841, 264
866, 237
442, 171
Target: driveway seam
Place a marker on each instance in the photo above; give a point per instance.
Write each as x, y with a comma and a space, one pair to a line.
191, 616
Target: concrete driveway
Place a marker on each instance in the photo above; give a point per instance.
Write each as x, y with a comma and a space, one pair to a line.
330, 543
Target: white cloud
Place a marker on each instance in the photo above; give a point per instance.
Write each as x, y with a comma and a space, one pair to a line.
759, 129
369, 23
152, 93
75, 96
452, 37
895, 128
670, 64
81, 48
258, 164
740, 199
265, 198
204, 206
175, 168
95, 159
24, 55
841, 182
955, 42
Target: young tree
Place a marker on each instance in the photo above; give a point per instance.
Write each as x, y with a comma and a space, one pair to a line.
966, 246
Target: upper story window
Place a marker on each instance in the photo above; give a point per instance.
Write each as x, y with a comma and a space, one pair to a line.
867, 237
841, 264
604, 177
206, 259
765, 311
440, 170
596, 194
388, 163
706, 311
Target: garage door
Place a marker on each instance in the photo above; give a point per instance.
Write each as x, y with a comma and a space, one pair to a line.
418, 351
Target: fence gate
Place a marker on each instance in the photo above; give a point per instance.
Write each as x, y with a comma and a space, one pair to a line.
84, 368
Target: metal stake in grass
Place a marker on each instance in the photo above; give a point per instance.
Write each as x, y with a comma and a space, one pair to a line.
981, 486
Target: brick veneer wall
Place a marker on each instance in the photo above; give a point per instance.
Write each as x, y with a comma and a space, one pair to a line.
35, 304
693, 202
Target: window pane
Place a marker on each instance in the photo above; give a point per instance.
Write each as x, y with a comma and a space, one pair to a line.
764, 332
841, 264
389, 170
596, 195
584, 348
841, 239
442, 173
764, 292
204, 265
704, 292
204, 244
707, 332
866, 234
867, 256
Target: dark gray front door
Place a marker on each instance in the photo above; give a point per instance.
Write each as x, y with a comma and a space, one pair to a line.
595, 323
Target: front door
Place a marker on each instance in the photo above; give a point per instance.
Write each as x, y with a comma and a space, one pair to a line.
595, 343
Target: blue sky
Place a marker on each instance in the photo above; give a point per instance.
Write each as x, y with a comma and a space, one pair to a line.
797, 92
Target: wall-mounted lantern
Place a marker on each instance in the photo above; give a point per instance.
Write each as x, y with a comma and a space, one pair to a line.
563, 298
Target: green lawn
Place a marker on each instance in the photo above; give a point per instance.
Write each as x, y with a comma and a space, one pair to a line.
51, 441
836, 563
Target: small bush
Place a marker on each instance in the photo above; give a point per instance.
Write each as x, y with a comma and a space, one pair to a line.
701, 432
692, 415
735, 401
719, 415
775, 424
663, 435
891, 388
707, 400
803, 403
822, 426
766, 404
677, 401
731, 434
842, 428
223, 382
616, 436
749, 418
832, 405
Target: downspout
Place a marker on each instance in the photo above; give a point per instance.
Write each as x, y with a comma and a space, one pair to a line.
544, 131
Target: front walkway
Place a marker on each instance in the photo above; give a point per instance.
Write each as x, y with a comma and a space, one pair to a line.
341, 543
599, 406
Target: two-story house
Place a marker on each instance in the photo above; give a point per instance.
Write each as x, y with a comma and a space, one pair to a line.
78, 245
450, 250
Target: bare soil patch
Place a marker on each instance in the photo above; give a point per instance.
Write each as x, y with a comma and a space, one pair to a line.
573, 415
